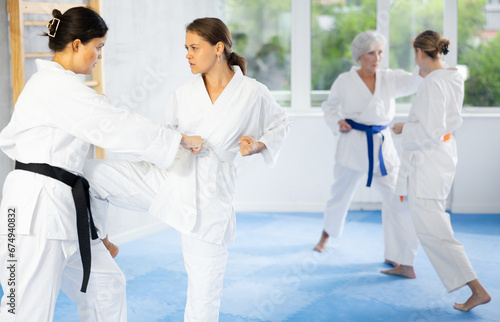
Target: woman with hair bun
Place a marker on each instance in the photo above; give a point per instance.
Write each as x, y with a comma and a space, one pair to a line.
232, 113
427, 171
46, 225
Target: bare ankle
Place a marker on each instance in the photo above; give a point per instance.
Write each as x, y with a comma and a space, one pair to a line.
321, 245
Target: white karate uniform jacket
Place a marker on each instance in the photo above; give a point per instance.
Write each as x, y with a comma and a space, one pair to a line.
196, 197
56, 118
435, 112
350, 98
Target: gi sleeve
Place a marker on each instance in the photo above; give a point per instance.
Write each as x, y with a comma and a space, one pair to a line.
274, 124
332, 107
171, 119
427, 121
87, 115
405, 83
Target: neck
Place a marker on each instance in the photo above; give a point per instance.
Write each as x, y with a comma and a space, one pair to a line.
432, 65
218, 77
366, 74
64, 60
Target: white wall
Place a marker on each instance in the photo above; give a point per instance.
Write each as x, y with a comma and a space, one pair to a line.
304, 173
301, 180
145, 54
476, 188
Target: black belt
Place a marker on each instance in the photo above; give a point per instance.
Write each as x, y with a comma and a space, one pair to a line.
80, 190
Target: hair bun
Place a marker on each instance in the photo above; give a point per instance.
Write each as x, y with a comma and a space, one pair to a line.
56, 14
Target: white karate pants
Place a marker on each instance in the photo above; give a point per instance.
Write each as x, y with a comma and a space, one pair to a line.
205, 265
342, 192
45, 266
134, 186
429, 223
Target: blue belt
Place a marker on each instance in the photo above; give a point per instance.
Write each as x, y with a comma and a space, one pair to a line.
370, 130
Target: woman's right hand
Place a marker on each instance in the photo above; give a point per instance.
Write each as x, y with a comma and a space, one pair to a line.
344, 127
397, 128
193, 143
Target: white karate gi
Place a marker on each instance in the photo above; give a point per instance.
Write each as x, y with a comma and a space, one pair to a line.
55, 120
195, 194
350, 98
426, 176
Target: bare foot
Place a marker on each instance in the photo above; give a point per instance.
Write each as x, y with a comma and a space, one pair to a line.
389, 262
401, 270
479, 296
112, 248
321, 245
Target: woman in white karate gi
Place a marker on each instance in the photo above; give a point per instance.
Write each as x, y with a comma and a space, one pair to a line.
232, 113
360, 105
55, 120
427, 171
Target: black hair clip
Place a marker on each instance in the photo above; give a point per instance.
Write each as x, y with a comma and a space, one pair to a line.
445, 49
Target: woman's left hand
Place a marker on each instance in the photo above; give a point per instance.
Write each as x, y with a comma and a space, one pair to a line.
249, 146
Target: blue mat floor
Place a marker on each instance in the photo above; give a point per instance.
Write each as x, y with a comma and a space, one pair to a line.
274, 275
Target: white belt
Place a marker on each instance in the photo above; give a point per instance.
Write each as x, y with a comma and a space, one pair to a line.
216, 155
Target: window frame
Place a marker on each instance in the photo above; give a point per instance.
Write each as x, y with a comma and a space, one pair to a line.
301, 94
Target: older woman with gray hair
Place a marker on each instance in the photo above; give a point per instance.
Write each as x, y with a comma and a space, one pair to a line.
360, 105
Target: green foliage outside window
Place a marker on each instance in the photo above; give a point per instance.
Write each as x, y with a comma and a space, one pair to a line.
331, 42
482, 88
261, 31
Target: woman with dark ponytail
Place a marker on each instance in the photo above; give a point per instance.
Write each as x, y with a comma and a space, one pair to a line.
45, 213
232, 113
427, 171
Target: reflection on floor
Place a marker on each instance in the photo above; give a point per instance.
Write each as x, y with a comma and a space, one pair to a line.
273, 274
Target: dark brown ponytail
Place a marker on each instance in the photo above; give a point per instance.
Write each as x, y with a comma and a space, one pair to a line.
235, 59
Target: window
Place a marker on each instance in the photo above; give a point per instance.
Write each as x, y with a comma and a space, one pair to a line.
407, 19
299, 47
261, 33
478, 48
334, 24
